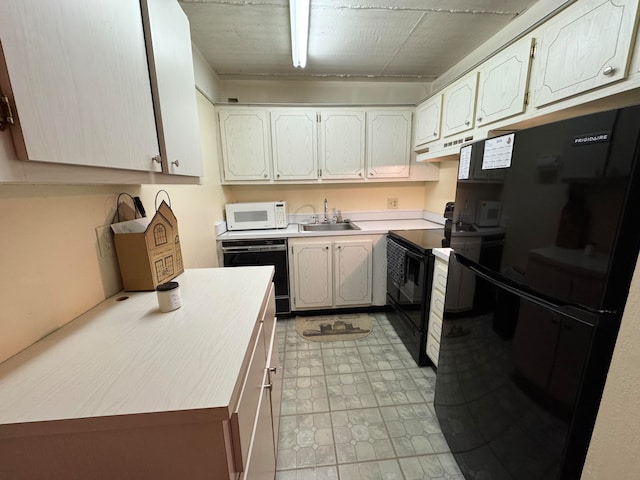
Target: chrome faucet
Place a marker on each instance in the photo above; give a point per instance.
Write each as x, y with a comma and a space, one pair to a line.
326, 206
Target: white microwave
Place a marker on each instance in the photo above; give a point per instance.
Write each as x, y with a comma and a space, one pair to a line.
256, 216
488, 214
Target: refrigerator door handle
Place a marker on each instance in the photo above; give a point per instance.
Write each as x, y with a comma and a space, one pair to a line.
580, 313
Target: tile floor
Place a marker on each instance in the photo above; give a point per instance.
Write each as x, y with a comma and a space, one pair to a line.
358, 410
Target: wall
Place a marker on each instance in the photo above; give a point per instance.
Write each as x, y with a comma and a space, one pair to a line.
613, 452
437, 194
323, 92
309, 199
52, 270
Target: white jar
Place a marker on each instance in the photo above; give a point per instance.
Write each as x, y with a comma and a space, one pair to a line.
169, 298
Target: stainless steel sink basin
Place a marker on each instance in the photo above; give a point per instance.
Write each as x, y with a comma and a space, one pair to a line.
327, 227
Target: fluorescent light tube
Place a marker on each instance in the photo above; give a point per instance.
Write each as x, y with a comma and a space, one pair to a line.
299, 11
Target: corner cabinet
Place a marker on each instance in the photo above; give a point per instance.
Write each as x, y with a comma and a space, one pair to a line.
584, 47
331, 272
388, 143
125, 391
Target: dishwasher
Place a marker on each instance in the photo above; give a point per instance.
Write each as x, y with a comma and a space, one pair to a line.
256, 252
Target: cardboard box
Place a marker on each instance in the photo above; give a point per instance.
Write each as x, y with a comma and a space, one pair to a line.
151, 255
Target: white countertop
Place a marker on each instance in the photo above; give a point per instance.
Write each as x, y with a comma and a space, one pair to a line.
367, 227
126, 357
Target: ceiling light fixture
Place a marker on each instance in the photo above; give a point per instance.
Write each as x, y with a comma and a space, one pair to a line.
299, 11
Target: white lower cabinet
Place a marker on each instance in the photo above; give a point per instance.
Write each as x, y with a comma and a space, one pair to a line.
462, 281
436, 308
328, 272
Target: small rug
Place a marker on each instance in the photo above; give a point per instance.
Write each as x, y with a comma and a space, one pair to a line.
333, 328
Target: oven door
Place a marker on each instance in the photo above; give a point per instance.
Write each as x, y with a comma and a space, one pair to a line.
248, 253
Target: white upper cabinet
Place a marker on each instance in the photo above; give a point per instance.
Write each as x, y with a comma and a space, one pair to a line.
342, 141
459, 105
294, 137
246, 150
173, 86
80, 83
503, 83
427, 124
584, 47
388, 143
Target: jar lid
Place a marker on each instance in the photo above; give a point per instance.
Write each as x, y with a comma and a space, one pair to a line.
163, 287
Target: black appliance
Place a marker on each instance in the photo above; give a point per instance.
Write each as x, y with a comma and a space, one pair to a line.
256, 252
409, 276
518, 386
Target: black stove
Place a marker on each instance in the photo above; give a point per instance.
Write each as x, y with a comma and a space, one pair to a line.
409, 274
421, 241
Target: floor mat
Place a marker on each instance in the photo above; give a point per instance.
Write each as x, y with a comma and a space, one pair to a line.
333, 328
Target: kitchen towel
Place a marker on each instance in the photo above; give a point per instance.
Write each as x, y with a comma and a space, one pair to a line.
396, 262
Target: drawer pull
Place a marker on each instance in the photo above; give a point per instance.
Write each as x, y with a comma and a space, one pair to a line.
273, 369
268, 386
608, 70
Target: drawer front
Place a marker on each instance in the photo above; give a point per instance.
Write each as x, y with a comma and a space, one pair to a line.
433, 349
244, 414
274, 376
440, 271
435, 326
437, 303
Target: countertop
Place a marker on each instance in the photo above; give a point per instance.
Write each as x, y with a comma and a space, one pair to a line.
126, 357
367, 227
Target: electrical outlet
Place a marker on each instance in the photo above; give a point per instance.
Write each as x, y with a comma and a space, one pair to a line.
104, 235
392, 202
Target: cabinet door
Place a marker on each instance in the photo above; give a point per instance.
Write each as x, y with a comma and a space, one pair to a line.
459, 105
353, 272
312, 275
584, 47
503, 83
173, 86
244, 135
428, 115
261, 463
342, 144
461, 282
80, 83
388, 144
294, 137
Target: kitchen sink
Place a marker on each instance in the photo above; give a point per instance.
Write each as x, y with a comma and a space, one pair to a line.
327, 227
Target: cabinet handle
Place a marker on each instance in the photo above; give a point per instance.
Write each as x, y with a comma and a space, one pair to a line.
268, 386
156, 158
273, 369
479, 119
326, 248
609, 70
371, 173
359, 174
278, 176
467, 122
435, 134
176, 163
265, 175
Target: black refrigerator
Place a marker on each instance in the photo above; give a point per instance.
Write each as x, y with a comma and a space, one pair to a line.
519, 380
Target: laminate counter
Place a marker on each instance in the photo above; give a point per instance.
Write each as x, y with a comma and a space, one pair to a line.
121, 386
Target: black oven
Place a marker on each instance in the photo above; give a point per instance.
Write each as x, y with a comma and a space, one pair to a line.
409, 275
273, 251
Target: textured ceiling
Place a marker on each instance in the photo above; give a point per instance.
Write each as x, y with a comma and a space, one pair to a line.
380, 39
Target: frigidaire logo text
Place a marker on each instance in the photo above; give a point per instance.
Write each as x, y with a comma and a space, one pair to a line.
591, 138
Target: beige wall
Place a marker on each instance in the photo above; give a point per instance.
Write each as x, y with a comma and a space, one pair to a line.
309, 199
437, 194
613, 452
52, 270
